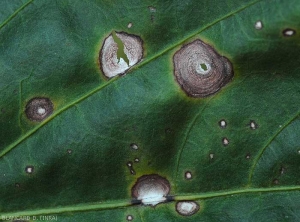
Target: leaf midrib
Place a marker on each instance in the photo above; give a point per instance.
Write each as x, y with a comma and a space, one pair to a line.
95, 90
126, 203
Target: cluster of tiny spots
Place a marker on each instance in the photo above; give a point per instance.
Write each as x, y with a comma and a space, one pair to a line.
130, 167
133, 146
223, 124
286, 32
225, 141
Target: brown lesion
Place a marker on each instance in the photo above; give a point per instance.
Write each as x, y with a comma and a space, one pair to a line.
195, 80
182, 211
150, 182
33, 106
117, 46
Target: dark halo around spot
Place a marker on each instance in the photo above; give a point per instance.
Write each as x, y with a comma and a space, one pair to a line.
33, 106
200, 70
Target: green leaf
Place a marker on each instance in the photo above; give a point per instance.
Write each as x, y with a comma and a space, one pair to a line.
73, 165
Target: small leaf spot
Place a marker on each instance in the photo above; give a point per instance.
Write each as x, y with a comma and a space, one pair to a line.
29, 169
282, 170
288, 32
39, 108
130, 167
298, 151
136, 160
248, 156
17, 185
152, 9
222, 123
188, 175
129, 217
69, 151
211, 156
134, 146
253, 125
276, 181
129, 25
187, 208
151, 189
258, 25
225, 141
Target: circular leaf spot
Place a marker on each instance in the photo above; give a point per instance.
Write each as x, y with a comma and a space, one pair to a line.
151, 189
200, 70
187, 208
38, 109
129, 217
110, 64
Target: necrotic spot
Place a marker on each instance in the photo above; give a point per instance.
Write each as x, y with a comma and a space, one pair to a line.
187, 208
151, 189
253, 125
29, 169
109, 62
222, 123
258, 25
134, 146
288, 32
188, 175
200, 70
129, 217
37, 109
225, 141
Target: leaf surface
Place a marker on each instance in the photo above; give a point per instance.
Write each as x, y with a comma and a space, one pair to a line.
79, 154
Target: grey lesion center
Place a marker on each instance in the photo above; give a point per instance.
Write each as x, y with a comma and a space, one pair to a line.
203, 68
